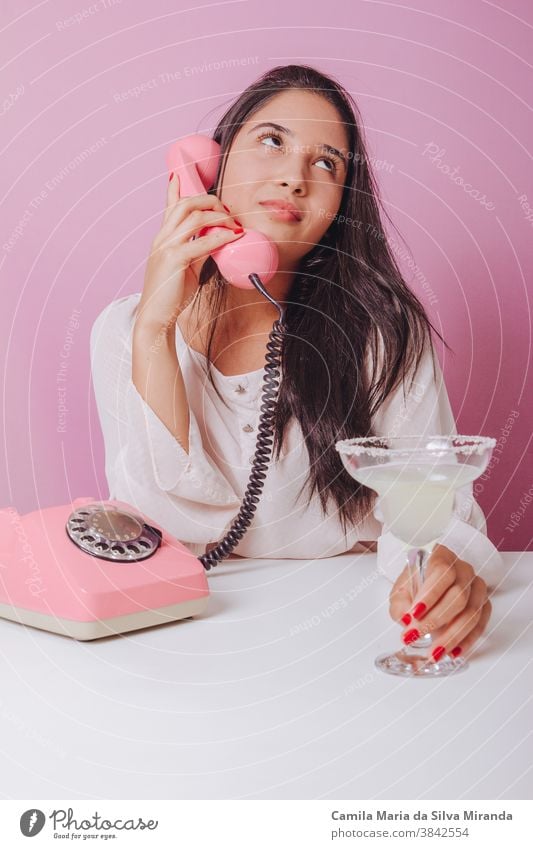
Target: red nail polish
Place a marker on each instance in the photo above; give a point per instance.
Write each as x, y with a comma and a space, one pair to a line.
225, 207
238, 222
239, 230
438, 652
419, 610
406, 618
171, 175
411, 636
456, 651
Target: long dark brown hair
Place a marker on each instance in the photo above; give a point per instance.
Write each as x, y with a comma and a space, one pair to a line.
348, 301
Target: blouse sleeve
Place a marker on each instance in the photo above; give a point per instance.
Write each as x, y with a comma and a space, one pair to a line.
145, 464
425, 409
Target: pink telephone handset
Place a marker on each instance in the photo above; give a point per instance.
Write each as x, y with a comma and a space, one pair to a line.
93, 569
195, 159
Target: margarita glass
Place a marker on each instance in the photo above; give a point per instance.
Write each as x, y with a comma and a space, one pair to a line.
415, 478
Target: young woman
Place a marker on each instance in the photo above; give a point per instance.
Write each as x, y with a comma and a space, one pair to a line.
178, 368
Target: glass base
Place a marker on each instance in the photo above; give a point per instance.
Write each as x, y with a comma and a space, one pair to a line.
410, 663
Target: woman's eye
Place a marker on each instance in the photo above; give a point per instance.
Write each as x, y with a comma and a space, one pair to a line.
269, 136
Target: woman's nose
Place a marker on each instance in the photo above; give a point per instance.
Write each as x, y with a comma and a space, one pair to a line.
296, 184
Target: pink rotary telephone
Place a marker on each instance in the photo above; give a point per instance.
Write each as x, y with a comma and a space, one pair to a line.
92, 569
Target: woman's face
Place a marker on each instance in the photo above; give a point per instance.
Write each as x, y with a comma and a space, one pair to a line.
295, 164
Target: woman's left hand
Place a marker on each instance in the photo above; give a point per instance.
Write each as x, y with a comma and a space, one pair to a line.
452, 605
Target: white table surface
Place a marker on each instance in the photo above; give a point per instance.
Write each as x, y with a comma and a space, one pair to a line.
235, 705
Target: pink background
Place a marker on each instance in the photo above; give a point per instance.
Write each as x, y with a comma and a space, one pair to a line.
84, 182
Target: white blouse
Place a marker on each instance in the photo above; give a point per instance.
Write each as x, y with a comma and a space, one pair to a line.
196, 496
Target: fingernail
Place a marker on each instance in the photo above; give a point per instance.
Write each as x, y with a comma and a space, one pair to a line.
238, 222
456, 651
411, 636
225, 207
239, 230
406, 618
419, 610
438, 652
171, 175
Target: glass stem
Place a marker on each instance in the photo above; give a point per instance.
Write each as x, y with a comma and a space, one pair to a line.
417, 559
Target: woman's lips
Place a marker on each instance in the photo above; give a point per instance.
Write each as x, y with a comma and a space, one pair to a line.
281, 214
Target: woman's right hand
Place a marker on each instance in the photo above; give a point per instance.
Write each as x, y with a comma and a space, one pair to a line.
175, 260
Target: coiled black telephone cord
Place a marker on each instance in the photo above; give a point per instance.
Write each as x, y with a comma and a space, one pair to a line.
263, 447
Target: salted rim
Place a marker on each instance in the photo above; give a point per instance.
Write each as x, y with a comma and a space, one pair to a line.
363, 444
